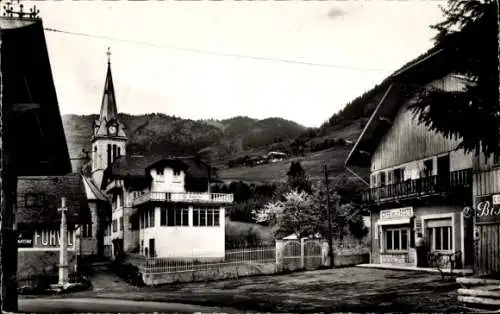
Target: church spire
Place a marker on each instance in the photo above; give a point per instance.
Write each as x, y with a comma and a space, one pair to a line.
108, 106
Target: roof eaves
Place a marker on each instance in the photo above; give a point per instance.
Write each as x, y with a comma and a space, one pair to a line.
367, 126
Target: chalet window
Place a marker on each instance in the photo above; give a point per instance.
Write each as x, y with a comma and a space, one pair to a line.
382, 178
428, 167
206, 217
440, 234
390, 177
115, 225
396, 239
399, 175
87, 230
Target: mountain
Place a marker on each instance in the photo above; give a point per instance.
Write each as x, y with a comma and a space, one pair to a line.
163, 134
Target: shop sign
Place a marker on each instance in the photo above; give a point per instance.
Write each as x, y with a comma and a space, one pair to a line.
487, 209
51, 238
25, 238
405, 212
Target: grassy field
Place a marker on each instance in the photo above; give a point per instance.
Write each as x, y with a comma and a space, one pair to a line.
334, 158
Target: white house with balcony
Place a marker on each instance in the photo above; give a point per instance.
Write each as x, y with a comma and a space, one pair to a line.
161, 206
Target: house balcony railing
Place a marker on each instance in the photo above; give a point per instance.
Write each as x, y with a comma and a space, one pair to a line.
432, 185
184, 197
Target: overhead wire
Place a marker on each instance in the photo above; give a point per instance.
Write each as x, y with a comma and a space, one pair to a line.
224, 54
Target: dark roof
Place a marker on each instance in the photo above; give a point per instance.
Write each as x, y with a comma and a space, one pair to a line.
138, 166
43, 211
109, 110
28, 94
430, 66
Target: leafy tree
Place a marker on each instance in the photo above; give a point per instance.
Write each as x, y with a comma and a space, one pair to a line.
306, 215
469, 36
297, 178
294, 215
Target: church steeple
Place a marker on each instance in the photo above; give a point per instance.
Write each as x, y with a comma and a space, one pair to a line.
109, 139
109, 110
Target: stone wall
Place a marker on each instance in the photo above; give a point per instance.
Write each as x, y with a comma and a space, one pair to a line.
216, 273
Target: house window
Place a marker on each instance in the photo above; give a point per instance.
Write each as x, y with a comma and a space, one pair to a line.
115, 225
382, 178
177, 217
396, 239
152, 219
399, 175
87, 231
206, 217
428, 167
163, 217
121, 223
440, 234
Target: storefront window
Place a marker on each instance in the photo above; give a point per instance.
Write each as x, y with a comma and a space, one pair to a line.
440, 234
396, 239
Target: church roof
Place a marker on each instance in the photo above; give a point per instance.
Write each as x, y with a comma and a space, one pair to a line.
109, 110
38, 199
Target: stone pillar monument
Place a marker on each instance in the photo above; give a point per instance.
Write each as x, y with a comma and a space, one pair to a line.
63, 255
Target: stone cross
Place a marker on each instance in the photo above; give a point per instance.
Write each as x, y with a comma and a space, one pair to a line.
63, 255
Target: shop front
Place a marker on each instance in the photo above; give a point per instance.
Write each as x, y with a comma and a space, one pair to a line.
436, 230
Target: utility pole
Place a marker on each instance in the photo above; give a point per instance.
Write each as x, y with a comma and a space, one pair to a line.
330, 238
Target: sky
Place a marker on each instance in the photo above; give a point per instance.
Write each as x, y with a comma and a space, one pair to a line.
299, 60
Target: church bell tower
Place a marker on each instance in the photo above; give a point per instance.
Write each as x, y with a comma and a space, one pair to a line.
109, 139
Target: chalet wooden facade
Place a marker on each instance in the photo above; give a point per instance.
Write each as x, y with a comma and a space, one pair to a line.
419, 181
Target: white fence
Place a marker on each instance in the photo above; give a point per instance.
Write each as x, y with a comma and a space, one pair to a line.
262, 255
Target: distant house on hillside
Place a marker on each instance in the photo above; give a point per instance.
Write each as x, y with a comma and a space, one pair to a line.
276, 156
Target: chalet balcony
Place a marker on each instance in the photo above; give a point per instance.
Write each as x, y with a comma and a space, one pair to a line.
457, 181
183, 197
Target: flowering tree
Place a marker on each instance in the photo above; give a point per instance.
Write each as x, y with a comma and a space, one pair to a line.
306, 215
294, 215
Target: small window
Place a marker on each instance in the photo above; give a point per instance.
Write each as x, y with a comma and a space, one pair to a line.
115, 225
382, 178
428, 167
163, 217
159, 171
121, 223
